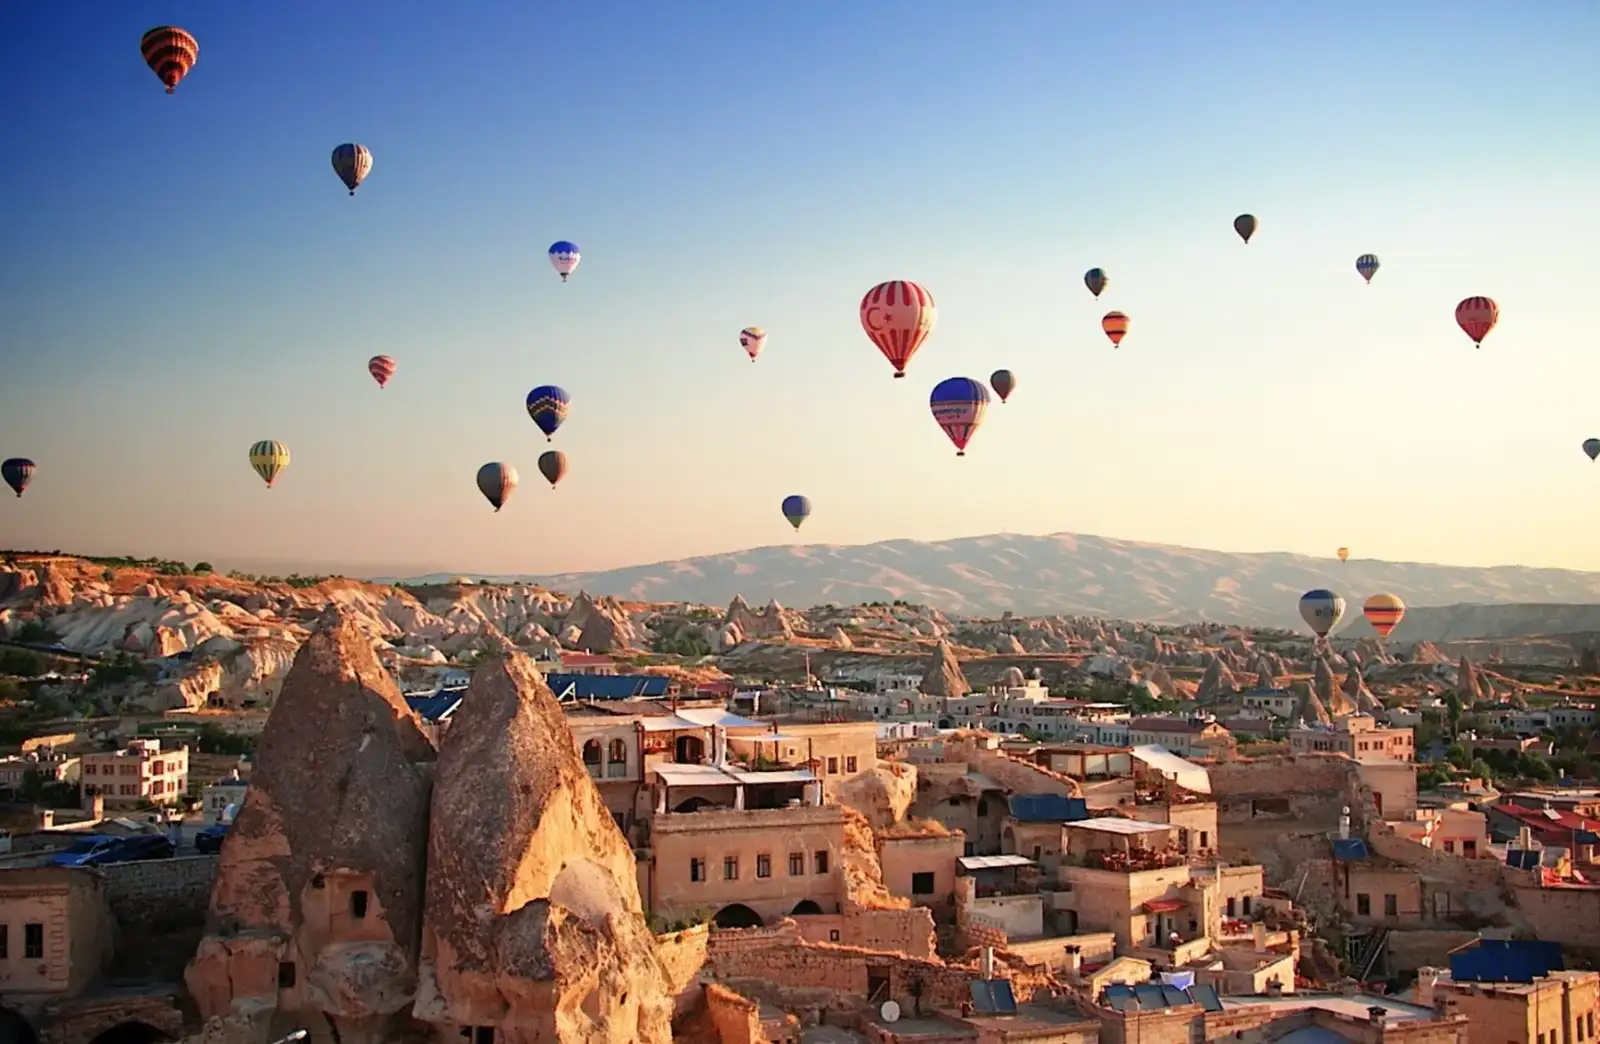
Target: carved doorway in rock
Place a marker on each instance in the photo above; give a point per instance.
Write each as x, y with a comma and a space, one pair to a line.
806, 907
737, 915
132, 1033
14, 1029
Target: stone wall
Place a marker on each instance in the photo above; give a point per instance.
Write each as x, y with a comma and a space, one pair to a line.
738, 1021
1014, 774
1409, 949
909, 931
683, 955
1569, 916
160, 893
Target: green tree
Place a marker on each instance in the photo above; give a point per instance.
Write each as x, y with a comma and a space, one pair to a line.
1457, 756
1483, 770
34, 632
22, 663
203, 569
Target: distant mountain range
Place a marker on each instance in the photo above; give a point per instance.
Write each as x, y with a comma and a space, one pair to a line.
1091, 575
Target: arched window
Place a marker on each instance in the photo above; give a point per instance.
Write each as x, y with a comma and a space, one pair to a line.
618, 753
591, 752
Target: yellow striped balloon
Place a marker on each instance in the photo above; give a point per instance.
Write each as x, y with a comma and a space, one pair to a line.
1384, 612
269, 458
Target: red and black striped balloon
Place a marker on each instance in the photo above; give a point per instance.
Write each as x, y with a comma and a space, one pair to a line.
170, 53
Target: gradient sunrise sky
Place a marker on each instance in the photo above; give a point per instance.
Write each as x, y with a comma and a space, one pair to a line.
184, 276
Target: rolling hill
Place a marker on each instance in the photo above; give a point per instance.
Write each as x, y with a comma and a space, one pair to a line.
1067, 573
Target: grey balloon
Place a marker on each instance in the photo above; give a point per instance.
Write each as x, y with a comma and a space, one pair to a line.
496, 481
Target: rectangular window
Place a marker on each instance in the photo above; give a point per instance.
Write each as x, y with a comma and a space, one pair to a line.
1391, 906
1469, 849
833, 766
483, 1035
1245, 905
1363, 904
1230, 908
5, 941
821, 861
922, 883
1205, 840
697, 869
763, 866
32, 941
730, 868
358, 904
797, 864
285, 974
849, 764
1450, 846
1591, 1024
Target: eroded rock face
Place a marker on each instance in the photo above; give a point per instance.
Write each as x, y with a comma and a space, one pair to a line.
533, 920
943, 676
323, 867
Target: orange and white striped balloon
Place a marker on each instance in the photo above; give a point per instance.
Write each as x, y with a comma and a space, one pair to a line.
898, 316
1477, 316
382, 368
1384, 612
1115, 324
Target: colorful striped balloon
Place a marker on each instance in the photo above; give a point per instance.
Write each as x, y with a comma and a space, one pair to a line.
753, 339
898, 316
1384, 612
1367, 265
352, 163
496, 482
1477, 316
18, 472
382, 369
552, 465
958, 405
170, 53
796, 509
548, 406
1115, 324
269, 458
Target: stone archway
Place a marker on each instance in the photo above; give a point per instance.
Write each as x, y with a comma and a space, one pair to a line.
737, 915
806, 907
132, 1032
14, 1029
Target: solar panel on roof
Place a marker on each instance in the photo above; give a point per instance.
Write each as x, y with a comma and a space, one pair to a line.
1349, 849
1005, 1002
1205, 995
982, 998
1552, 814
1523, 858
1174, 997
1150, 997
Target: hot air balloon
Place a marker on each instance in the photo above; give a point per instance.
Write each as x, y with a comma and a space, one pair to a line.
1477, 316
1367, 265
495, 482
1095, 279
352, 163
1322, 610
1003, 383
547, 405
1245, 225
1384, 612
753, 339
18, 472
382, 368
796, 509
898, 316
170, 53
269, 458
1343, 553
552, 465
1592, 447
1115, 324
564, 257
958, 404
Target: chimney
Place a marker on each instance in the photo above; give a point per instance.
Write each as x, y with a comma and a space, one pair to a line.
1427, 978
1274, 987
95, 806
1375, 1014
719, 746
44, 818
986, 963
1074, 966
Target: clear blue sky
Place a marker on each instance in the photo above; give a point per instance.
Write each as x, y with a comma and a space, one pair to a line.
184, 275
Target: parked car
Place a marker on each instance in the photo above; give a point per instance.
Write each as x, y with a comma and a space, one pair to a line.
209, 840
101, 850
81, 851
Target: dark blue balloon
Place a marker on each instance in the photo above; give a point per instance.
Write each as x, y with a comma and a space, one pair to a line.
796, 509
17, 472
547, 405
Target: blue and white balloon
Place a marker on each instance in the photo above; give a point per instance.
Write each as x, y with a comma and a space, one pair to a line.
564, 257
1321, 610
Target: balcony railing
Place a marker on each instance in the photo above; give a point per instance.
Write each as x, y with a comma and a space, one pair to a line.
617, 770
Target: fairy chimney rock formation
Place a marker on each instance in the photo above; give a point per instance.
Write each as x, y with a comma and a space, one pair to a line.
1328, 691
1312, 710
943, 676
840, 640
1356, 691
1265, 679
739, 614
1217, 682
533, 921
317, 905
1468, 691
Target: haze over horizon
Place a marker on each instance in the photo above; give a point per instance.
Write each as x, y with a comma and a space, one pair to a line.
188, 276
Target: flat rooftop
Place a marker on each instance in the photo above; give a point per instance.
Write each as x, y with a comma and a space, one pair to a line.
1114, 825
1354, 1006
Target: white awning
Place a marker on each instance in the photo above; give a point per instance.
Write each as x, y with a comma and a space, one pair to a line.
787, 776
1114, 825
994, 862
1186, 774
766, 737
674, 775
705, 717
665, 723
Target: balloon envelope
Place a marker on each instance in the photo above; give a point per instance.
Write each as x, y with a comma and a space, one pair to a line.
564, 257
170, 53
796, 509
382, 368
352, 163
1321, 610
1245, 225
552, 465
548, 406
1096, 279
1477, 316
898, 316
269, 458
1367, 265
1343, 553
18, 472
1383, 612
1003, 383
753, 339
1115, 324
958, 404
1592, 447
495, 482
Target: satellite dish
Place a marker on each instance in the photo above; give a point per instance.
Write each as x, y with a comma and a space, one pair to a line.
890, 1011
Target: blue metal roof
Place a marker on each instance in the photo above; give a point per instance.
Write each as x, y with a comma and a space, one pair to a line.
435, 708
1048, 808
1525, 858
606, 686
1350, 850
1506, 960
